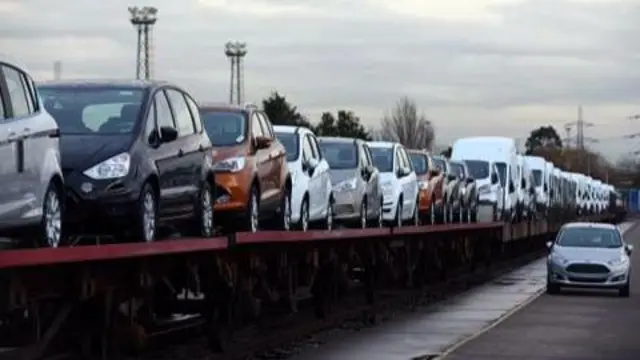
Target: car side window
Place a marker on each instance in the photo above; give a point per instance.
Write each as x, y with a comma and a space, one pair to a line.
307, 152
151, 122
256, 128
33, 93
195, 112
267, 129
315, 149
181, 113
397, 162
361, 155
405, 158
367, 153
3, 100
17, 92
164, 115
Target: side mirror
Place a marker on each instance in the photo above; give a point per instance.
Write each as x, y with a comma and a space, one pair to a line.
545, 188
168, 134
366, 172
523, 183
494, 178
549, 245
402, 172
262, 142
512, 187
451, 177
470, 180
434, 172
309, 166
628, 248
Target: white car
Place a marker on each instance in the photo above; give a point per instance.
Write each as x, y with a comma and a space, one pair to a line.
398, 182
311, 195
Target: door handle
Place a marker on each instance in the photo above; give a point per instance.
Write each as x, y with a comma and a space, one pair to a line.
180, 153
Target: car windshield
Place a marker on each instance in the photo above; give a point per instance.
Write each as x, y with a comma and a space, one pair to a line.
225, 128
340, 154
502, 172
290, 143
383, 158
420, 163
589, 237
478, 169
93, 110
537, 177
457, 169
440, 164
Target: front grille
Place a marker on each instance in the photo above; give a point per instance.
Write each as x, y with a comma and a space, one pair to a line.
588, 269
587, 280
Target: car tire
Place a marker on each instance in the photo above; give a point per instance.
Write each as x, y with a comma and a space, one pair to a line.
251, 221
303, 224
50, 233
399, 209
329, 219
363, 214
416, 214
284, 217
146, 222
203, 223
380, 220
552, 288
625, 291
432, 213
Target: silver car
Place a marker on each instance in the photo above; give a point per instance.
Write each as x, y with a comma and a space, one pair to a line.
468, 191
356, 187
589, 255
31, 194
452, 194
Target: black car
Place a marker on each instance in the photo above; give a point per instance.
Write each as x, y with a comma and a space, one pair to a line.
134, 157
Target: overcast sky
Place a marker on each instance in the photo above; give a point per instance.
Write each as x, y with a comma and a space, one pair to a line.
475, 67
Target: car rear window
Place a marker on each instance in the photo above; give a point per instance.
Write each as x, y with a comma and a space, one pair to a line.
225, 128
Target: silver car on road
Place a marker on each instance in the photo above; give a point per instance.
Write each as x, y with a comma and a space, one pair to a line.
589, 255
356, 184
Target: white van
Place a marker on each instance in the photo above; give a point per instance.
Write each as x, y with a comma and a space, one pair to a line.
525, 207
492, 150
538, 167
547, 184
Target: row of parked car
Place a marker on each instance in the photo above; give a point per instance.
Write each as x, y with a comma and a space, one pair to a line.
130, 159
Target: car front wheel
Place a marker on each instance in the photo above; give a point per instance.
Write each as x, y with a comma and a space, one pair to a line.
146, 222
51, 225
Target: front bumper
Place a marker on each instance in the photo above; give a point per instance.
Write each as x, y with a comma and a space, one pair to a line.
389, 205
346, 204
232, 192
615, 278
100, 201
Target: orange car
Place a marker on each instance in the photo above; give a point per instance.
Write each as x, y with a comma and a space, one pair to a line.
252, 181
431, 186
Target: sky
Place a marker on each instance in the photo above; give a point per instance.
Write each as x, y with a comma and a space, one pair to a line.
474, 67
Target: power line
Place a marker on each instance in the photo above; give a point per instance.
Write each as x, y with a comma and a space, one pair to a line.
143, 19
236, 51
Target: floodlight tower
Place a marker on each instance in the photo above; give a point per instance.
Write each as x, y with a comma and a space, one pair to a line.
236, 52
143, 19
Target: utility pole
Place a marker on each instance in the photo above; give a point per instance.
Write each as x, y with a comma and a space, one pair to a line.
236, 51
580, 138
57, 70
143, 19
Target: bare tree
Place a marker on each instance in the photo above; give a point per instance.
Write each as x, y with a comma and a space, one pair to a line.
407, 127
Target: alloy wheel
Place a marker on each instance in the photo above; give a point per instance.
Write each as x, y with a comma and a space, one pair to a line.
286, 216
148, 216
207, 212
329, 220
304, 216
53, 218
363, 214
254, 217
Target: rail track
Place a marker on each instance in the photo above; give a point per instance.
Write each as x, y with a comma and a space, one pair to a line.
280, 338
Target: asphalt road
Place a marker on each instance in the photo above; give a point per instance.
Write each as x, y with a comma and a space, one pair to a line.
576, 325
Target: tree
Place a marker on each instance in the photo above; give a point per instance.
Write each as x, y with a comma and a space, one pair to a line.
347, 124
446, 152
542, 138
281, 112
406, 126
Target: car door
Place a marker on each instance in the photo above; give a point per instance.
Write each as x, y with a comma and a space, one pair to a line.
10, 191
410, 184
191, 151
165, 155
317, 185
370, 182
263, 163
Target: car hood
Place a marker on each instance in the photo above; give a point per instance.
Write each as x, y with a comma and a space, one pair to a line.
80, 152
340, 175
589, 254
225, 152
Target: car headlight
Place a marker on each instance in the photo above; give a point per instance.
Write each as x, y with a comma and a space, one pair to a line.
558, 259
234, 164
347, 185
484, 189
112, 168
423, 185
618, 262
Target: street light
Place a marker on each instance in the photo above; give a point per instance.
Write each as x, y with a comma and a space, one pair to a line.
236, 51
143, 19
